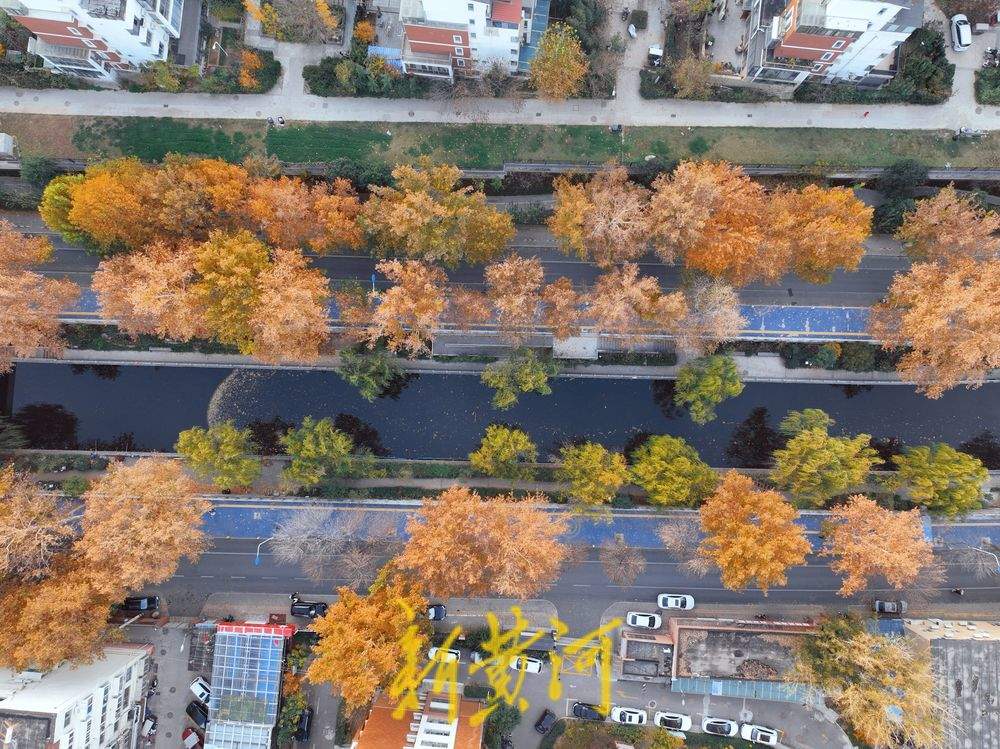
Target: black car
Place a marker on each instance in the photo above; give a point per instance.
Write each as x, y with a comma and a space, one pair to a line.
586, 711
305, 724
310, 609
140, 603
544, 724
436, 612
198, 713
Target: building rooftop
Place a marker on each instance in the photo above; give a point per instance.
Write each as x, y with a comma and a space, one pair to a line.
508, 11
24, 731
383, 731
735, 648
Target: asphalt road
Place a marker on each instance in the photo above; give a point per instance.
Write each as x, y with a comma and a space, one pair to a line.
861, 288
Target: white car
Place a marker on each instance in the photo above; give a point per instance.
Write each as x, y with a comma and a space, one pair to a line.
672, 721
961, 32
201, 690
641, 620
759, 734
630, 716
445, 656
675, 601
719, 726
528, 663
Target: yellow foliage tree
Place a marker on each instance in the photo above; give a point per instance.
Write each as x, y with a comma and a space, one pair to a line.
560, 65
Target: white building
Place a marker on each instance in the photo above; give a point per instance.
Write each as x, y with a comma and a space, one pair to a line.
91, 706
97, 39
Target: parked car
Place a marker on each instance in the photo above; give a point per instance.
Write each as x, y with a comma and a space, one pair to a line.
446, 655
545, 722
759, 734
310, 609
586, 711
139, 604
961, 32
719, 726
148, 726
643, 621
890, 607
675, 601
436, 612
673, 721
201, 690
529, 663
190, 739
198, 713
630, 716
305, 724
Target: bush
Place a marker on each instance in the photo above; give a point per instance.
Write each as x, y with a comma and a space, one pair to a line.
38, 170
359, 75
827, 355
75, 486
639, 19
889, 215
16, 75
858, 357
254, 71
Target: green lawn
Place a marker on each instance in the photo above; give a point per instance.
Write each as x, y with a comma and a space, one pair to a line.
152, 138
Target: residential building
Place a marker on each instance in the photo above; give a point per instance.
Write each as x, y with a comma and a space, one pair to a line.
445, 38
247, 664
791, 41
426, 728
98, 39
89, 706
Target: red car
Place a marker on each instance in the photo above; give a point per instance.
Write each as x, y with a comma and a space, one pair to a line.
191, 739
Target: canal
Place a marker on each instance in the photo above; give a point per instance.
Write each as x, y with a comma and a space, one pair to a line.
443, 416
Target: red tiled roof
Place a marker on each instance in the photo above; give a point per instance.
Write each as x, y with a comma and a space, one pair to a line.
506, 10
58, 32
244, 628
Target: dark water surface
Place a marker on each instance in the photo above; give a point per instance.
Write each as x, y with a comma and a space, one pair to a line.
444, 416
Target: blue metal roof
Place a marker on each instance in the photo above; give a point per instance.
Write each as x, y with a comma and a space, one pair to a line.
539, 23
885, 627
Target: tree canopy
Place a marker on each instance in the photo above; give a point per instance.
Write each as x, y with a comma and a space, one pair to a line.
940, 478
560, 65
671, 472
594, 473
221, 453
704, 383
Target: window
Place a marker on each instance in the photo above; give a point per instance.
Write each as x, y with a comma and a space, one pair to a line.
472, 35
460, 63
817, 68
839, 44
513, 51
68, 740
459, 52
67, 719
73, 30
456, 39
826, 56
470, 6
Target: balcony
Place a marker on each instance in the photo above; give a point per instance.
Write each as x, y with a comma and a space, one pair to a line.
113, 9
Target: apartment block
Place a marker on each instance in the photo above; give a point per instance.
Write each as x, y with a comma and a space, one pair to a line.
97, 705
98, 39
430, 727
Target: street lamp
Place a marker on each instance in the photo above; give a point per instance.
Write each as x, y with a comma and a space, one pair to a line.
256, 559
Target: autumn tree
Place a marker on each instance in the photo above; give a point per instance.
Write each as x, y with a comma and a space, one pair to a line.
713, 317
426, 217
513, 286
468, 307
55, 205
318, 450
523, 372
950, 226
561, 308
712, 215
293, 215
671, 472
222, 453
822, 229
622, 563
948, 318
625, 305
693, 78
291, 318
883, 687
605, 220
560, 65
463, 545
372, 373
940, 478
140, 520
35, 526
808, 418
814, 467
506, 453
360, 646
594, 473
751, 535
408, 312
107, 205
704, 383
867, 541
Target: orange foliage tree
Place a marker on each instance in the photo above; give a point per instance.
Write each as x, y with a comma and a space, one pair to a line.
408, 312
713, 317
467, 307
513, 286
950, 226
292, 215
35, 526
561, 309
463, 545
626, 305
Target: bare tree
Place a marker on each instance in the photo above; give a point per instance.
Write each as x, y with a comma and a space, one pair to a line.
622, 563
34, 527
680, 538
980, 561
713, 317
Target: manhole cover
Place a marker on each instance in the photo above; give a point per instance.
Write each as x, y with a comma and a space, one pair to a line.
163, 652
173, 689
738, 653
170, 715
651, 704
169, 734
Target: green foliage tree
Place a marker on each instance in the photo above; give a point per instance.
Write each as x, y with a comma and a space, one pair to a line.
808, 418
940, 478
221, 453
38, 170
11, 436
501, 722
889, 215
704, 383
814, 467
594, 473
318, 450
54, 208
371, 373
523, 372
671, 472
505, 452
75, 486
901, 178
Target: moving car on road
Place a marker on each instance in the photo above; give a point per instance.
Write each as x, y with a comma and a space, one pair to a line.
446, 656
675, 601
545, 722
640, 620
586, 711
759, 734
630, 716
961, 32
310, 609
672, 721
719, 726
